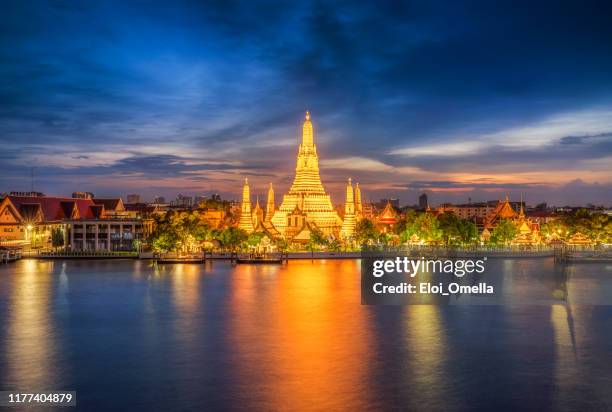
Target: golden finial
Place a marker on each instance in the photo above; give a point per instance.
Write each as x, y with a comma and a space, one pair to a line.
307, 115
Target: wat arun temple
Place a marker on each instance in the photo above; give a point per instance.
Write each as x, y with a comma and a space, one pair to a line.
307, 206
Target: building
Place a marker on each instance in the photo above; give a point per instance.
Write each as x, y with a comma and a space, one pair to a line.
348, 221
307, 192
382, 203
246, 217
84, 224
388, 216
133, 198
82, 195
423, 204
182, 201
306, 207
159, 200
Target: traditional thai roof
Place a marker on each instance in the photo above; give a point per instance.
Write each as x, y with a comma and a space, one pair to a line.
110, 204
268, 228
503, 210
303, 236
388, 215
485, 235
31, 212
579, 238
52, 208
97, 211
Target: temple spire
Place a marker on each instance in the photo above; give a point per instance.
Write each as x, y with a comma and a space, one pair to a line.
246, 219
270, 204
348, 224
358, 205
307, 134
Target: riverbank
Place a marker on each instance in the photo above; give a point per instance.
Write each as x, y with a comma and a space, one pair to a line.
597, 256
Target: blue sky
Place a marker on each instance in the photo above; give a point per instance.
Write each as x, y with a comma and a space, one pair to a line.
457, 99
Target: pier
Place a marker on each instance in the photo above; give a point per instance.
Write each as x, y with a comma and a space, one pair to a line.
7, 256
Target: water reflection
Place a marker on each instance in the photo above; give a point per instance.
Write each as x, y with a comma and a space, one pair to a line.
138, 336
427, 354
31, 352
302, 338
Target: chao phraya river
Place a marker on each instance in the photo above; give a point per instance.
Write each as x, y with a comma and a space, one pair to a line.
132, 335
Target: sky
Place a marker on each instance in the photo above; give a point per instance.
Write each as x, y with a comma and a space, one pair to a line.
459, 100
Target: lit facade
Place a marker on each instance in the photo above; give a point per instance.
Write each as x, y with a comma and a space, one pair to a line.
246, 218
349, 221
307, 192
306, 207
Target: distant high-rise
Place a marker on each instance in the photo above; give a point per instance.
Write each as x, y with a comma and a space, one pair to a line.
382, 204
160, 200
182, 201
423, 201
82, 195
133, 198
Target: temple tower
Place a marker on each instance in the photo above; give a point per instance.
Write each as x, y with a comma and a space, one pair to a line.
258, 214
348, 225
307, 191
246, 219
270, 206
358, 205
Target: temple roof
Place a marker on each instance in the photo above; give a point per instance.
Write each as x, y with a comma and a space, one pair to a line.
503, 210
110, 204
52, 208
388, 215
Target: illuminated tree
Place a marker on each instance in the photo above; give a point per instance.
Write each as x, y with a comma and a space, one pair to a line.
232, 238
57, 238
504, 232
365, 232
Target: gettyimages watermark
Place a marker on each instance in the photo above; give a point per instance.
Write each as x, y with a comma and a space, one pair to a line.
392, 277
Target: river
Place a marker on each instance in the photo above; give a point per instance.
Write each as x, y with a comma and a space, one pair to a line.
132, 335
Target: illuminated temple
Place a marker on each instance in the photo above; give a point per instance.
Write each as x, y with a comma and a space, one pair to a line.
306, 206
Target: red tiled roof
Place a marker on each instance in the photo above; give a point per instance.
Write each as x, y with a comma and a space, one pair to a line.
109, 204
54, 208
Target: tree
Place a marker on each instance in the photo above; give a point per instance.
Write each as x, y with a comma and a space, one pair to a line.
504, 232
163, 240
179, 231
57, 237
255, 238
468, 231
457, 230
426, 226
317, 239
281, 244
365, 231
232, 237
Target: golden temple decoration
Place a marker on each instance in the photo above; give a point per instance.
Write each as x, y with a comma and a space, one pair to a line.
246, 219
348, 225
307, 191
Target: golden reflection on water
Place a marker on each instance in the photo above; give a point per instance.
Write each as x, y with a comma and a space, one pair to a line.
566, 351
428, 352
30, 343
294, 340
185, 280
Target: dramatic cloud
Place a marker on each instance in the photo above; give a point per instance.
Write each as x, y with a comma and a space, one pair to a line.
459, 100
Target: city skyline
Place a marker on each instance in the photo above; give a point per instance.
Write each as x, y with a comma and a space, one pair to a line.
117, 99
